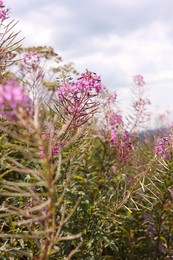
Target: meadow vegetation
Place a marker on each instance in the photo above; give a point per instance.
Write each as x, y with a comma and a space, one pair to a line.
77, 179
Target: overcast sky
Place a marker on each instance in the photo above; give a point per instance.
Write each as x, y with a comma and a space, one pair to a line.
115, 38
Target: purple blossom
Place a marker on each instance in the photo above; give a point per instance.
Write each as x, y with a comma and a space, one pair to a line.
115, 119
78, 98
89, 84
138, 80
3, 11
121, 143
113, 139
12, 97
164, 147
55, 150
45, 136
149, 233
148, 218
41, 153
110, 98
141, 102
114, 169
31, 59
3, 15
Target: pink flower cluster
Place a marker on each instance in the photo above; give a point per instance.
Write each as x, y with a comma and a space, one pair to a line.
110, 98
3, 11
78, 97
86, 86
112, 126
164, 147
141, 103
12, 97
33, 72
121, 144
31, 59
139, 80
55, 150
115, 120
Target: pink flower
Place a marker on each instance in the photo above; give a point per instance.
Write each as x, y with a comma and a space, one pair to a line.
138, 80
3, 15
110, 97
31, 59
55, 150
12, 97
113, 139
115, 120
3, 11
114, 169
78, 98
89, 84
141, 103
164, 147
41, 153
121, 144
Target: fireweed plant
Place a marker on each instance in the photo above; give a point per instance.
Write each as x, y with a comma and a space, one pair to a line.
140, 113
38, 205
76, 179
118, 140
150, 235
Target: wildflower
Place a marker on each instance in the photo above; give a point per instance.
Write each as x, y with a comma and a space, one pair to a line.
138, 80
141, 103
3, 11
148, 218
41, 153
78, 98
54, 149
113, 139
149, 233
121, 144
110, 97
31, 59
114, 169
115, 119
12, 97
3, 15
88, 84
57, 148
164, 147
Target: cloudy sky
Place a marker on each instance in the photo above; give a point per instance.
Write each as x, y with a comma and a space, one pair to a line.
115, 38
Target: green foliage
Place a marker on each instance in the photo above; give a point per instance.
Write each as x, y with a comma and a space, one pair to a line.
66, 191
